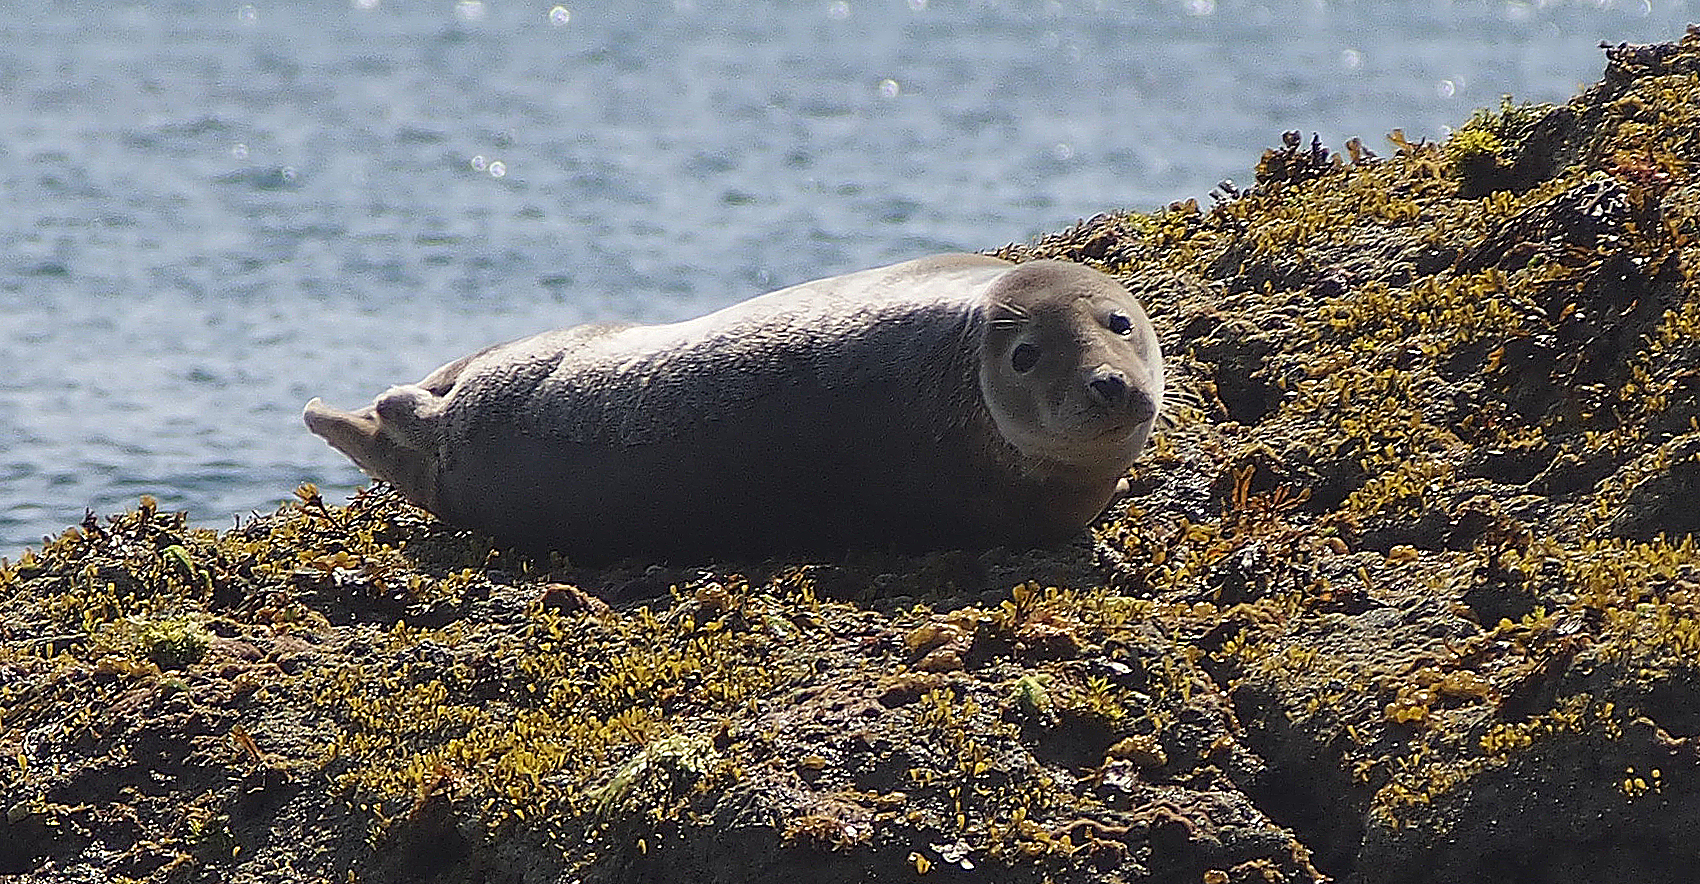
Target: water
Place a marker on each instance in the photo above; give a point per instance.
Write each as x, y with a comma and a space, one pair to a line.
212, 211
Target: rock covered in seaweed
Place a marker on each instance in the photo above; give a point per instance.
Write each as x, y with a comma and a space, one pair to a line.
1406, 593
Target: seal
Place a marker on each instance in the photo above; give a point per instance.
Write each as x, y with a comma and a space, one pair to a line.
956, 401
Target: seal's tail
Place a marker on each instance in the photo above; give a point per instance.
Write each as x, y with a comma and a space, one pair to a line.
394, 439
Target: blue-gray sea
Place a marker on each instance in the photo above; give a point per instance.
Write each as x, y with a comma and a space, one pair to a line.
211, 212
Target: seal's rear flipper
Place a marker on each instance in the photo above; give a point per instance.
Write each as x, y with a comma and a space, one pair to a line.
394, 439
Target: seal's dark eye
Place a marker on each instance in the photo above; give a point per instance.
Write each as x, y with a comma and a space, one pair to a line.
1119, 323
1024, 358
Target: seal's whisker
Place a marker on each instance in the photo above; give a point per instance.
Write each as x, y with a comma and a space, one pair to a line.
1181, 404
1008, 314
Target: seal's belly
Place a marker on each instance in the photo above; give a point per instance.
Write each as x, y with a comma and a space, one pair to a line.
794, 474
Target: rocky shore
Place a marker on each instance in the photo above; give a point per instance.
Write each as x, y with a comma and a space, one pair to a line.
1407, 591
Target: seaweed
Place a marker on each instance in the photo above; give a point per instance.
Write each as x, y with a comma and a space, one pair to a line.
1406, 590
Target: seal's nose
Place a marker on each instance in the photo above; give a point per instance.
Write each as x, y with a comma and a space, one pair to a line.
1108, 387
1142, 406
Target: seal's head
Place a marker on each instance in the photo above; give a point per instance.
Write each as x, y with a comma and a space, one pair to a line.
1069, 366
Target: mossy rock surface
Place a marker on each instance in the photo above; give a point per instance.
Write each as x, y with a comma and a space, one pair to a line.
1406, 592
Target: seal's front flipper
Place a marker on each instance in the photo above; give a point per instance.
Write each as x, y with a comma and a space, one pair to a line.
395, 439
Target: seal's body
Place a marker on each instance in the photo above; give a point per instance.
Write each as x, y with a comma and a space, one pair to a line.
953, 401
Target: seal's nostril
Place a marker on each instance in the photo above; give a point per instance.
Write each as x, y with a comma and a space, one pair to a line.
1109, 390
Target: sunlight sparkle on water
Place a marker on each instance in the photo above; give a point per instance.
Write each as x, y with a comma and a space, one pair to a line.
890, 89
559, 16
838, 10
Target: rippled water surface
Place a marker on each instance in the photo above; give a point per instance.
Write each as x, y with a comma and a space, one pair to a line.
214, 211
